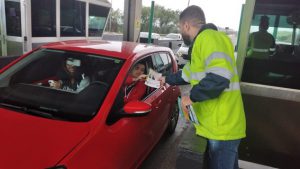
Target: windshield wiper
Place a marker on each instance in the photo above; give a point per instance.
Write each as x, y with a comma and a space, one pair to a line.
28, 110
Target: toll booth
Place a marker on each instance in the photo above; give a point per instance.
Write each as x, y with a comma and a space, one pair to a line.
27, 24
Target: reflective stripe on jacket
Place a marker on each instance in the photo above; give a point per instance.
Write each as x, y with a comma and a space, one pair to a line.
221, 118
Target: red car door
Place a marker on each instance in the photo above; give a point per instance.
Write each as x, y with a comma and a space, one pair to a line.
160, 111
161, 99
133, 137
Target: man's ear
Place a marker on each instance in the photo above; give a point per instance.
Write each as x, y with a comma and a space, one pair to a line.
188, 27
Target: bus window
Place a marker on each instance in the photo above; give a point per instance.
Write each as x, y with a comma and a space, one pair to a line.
72, 18
97, 19
285, 32
256, 20
13, 18
43, 18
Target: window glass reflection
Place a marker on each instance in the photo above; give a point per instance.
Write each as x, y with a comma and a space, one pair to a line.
43, 15
72, 18
97, 19
13, 18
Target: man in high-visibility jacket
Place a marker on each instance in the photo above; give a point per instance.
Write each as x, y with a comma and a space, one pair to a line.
215, 95
261, 44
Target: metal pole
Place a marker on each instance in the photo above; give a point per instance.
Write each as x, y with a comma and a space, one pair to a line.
189, 3
110, 17
150, 22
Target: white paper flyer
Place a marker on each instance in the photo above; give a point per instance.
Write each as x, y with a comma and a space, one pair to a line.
153, 79
192, 115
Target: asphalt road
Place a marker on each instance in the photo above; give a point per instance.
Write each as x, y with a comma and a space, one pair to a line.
163, 156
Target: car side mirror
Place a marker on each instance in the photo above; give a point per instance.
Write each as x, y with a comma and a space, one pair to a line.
136, 108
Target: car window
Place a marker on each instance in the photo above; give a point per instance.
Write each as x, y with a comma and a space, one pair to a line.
165, 58
83, 84
158, 61
120, 99
162, 63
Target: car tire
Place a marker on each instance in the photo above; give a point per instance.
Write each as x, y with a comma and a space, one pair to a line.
173, 120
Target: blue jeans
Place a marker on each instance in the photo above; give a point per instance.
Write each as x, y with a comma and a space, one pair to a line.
222, 154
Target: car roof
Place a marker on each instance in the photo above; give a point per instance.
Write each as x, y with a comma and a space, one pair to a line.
118, 49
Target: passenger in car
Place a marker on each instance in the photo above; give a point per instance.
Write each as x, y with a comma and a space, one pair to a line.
135, 87
70, 77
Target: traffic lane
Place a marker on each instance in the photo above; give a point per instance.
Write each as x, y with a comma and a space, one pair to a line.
164, 154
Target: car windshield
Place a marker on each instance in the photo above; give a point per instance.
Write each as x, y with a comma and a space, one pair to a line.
58, 84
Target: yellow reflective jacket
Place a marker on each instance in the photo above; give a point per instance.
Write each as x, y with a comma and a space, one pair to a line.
221, 118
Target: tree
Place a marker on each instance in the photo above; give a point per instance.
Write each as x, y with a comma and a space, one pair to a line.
145, 19
164, 20
115, 21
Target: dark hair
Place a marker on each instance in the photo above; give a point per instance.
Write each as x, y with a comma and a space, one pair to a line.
141, 63
264, 22
264, 18
193, 14
210, 26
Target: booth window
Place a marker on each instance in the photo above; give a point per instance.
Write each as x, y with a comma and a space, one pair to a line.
13, 18
43, 17
97, 19
72, 18
281, 67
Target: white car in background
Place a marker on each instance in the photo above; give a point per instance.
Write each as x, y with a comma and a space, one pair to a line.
146, 34
182, 53
172, 36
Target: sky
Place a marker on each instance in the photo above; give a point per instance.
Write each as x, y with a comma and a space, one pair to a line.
223, 13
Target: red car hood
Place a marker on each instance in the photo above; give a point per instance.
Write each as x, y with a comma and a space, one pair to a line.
33, 142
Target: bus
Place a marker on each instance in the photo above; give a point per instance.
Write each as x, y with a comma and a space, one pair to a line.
271, 86
27, 24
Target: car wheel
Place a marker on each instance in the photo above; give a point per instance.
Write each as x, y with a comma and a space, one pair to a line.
173, 120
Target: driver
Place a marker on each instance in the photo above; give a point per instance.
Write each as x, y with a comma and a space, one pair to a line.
135, 87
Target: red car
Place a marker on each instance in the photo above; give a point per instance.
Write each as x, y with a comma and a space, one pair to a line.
45, 127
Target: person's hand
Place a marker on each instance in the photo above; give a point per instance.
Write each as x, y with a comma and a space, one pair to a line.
142, 77
185, 101
162, 80
55, 84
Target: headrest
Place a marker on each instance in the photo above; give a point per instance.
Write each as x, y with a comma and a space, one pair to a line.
73, 62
